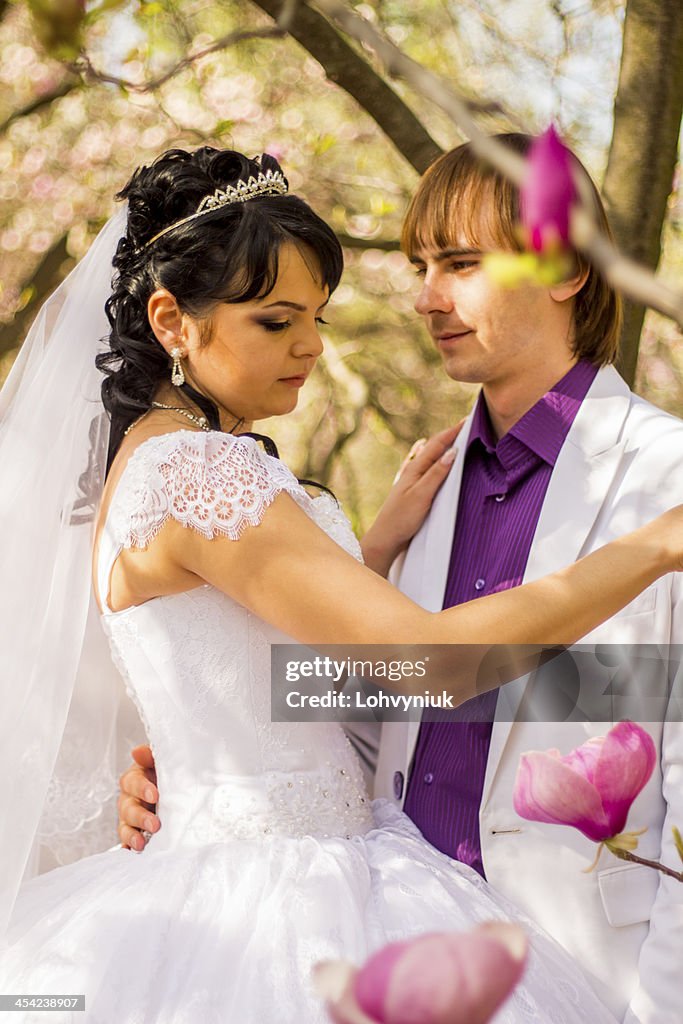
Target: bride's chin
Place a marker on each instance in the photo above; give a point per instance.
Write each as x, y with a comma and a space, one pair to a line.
275, 405
286, 405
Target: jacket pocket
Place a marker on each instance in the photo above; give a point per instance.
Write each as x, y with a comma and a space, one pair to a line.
628, 892
645, 602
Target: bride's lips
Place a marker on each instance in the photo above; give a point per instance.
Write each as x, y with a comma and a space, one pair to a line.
294, 382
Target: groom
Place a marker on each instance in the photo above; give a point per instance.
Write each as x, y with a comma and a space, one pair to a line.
556, 458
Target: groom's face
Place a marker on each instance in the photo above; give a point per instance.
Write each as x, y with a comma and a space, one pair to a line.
485, 333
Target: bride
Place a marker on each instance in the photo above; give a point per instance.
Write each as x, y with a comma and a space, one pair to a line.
206, 551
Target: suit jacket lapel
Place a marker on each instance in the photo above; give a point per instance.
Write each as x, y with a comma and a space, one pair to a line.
425, 569
579, 485
582, 476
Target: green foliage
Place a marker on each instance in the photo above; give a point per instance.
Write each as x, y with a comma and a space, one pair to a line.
150, 9
678, 840
104, 7
58, 25
223, 127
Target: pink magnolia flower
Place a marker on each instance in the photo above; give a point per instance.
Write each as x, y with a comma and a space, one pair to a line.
547, 193
592, 788
434, 979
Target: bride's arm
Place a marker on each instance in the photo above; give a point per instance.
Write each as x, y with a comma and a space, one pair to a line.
290, 573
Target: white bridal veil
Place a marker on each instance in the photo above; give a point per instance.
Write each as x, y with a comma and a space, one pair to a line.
59, 691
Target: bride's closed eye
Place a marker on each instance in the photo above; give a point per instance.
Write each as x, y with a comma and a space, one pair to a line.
280, 325
275, 325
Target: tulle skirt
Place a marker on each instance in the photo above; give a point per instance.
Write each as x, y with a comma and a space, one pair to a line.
228, 933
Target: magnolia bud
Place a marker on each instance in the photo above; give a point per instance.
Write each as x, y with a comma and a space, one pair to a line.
547, 194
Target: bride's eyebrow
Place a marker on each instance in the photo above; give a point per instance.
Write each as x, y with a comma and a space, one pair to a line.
294, 305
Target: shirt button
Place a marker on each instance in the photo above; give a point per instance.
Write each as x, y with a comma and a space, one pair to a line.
480, 584
500, 497
429, 778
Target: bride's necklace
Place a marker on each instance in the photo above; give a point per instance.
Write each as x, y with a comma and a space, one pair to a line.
201, 421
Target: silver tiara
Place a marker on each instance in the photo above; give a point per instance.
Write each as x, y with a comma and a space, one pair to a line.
268, 183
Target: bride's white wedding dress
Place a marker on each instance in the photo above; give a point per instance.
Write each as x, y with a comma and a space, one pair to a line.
271, 856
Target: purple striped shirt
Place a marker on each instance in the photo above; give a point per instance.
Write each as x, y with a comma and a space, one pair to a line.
501, 495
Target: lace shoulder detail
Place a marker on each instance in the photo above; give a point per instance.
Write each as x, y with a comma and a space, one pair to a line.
213, 482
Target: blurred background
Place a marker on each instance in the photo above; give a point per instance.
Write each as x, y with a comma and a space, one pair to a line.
88, 91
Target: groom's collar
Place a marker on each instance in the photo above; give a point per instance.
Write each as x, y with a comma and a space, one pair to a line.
544, 428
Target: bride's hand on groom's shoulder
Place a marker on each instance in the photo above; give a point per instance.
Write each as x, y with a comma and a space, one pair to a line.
137, 801
410, 499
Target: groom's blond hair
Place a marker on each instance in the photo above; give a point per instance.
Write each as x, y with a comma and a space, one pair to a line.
460, 196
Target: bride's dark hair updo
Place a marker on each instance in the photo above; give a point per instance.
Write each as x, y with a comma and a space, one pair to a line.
227, 255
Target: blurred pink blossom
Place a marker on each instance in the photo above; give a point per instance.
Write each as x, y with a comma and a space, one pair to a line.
40, 241
10, 240
434, 979
592, 788
547, 193
42, 186
277, 150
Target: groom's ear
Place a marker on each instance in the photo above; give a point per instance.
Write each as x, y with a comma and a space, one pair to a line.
571, 286
165, 319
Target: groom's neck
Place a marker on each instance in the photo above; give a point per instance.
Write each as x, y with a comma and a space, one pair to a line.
509, 399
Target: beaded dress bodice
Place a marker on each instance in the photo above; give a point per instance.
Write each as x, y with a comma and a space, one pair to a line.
197, 664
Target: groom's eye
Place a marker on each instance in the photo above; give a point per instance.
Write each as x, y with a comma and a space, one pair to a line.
464, 264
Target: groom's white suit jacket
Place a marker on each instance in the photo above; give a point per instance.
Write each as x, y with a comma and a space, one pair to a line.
621, 465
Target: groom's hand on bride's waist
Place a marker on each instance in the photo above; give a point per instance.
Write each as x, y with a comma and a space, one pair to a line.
137, 801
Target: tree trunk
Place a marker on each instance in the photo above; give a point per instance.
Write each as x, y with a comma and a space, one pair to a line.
45, 278
642, 157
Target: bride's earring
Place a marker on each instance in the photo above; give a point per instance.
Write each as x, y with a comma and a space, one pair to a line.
177, 375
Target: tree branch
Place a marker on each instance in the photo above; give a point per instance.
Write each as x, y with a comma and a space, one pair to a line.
63, 89
287, 11
84, 67
657, 865
347, 69
623, 274
385, 244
